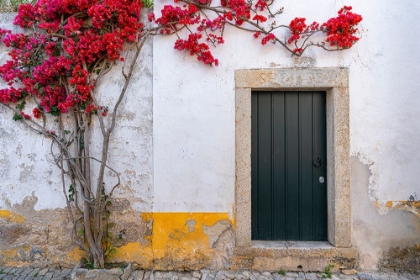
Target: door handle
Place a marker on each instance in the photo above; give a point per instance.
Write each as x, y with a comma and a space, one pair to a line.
318, 162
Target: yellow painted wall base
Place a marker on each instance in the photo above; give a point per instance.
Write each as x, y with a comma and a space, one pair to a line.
173, 241
11, 217
177, 241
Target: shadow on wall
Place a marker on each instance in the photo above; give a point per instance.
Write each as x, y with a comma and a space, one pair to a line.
383, 241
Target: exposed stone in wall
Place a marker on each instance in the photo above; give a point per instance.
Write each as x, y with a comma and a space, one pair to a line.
36, 237
222, 240
405, 259
42, 238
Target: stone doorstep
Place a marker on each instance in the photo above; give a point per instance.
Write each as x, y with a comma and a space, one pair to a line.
300, 257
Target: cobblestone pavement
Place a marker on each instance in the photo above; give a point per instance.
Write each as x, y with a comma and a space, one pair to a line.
24, 273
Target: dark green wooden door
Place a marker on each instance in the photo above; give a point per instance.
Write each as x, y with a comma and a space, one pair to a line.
289, 188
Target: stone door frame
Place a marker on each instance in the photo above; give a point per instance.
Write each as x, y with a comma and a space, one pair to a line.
335, 81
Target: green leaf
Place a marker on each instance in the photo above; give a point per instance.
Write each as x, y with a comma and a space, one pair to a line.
105, 240
147, 3
282, 272
17, 117
54, 111
21, 106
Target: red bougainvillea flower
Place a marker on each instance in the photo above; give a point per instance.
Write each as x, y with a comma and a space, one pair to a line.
341, 29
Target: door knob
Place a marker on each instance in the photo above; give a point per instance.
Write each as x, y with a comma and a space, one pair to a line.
318, 162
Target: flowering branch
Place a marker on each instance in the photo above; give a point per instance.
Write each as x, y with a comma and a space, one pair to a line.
249, 16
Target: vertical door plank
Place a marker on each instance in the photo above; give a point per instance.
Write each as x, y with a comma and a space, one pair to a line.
279, 163
320, 149
292, 167
254, 166
264, 166
306, 164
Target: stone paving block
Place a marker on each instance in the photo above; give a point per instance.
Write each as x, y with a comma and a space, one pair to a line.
159, 275
56, 272
34, 272
311, 276
26, 271
21, 277
13, 270
136, 275
2, 276
364, 276
19, 270
38, 278
7, 269
414, 276
141, 275
9, 277
348, 277
147, 275
204, 274
49, 275
66, 272
220, 275
42, 272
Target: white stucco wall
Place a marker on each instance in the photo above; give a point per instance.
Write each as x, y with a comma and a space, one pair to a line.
194, 106
175, 145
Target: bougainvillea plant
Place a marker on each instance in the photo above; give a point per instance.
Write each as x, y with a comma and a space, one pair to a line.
68, 46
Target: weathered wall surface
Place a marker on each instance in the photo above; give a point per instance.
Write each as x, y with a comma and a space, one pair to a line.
175, 148
384, 131
34, 227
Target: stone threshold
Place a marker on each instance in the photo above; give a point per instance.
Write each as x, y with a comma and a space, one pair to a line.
293, 256
292, 244
306, 249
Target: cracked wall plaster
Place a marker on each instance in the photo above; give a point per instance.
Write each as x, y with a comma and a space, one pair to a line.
375, 233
